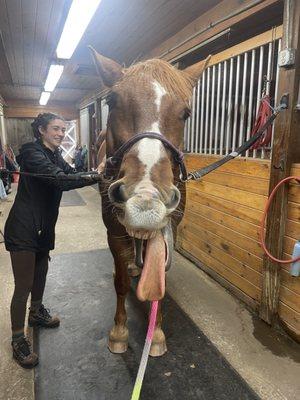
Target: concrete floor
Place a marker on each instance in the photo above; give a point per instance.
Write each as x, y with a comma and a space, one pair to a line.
268, 362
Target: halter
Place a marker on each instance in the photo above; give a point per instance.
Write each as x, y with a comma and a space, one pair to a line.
114, 162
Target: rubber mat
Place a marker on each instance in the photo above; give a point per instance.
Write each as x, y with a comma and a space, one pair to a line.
75, 363
72, 198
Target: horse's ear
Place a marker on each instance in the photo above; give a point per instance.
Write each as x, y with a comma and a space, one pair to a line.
196, 70
109, 70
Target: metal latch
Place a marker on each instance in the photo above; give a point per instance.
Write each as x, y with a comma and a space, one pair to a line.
286, 57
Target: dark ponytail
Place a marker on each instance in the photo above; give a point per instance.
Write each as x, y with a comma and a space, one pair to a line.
42, 120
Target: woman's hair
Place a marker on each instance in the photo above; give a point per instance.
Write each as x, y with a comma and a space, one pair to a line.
43, 120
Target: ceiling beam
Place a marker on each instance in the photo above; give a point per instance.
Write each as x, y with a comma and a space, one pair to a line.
23, 109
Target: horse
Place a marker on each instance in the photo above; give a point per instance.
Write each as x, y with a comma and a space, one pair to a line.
143, 195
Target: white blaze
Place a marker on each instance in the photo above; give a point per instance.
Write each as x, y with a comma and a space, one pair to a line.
150, 151
159, 91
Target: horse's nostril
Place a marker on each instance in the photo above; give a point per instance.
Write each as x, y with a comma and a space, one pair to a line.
116, 193
174, 200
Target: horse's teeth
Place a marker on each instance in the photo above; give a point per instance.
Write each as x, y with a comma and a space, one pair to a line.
130, 232
141, 234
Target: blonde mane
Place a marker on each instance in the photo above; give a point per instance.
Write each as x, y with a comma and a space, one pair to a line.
174, 81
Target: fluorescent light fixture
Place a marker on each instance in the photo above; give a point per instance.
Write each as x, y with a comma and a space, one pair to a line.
54, 74
44, 98
80, 14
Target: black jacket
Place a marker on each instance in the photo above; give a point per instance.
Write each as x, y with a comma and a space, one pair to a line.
31, 222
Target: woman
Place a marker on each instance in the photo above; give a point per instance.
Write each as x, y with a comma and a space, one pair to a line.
29, 230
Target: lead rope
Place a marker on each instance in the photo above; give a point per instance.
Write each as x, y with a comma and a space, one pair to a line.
145, 355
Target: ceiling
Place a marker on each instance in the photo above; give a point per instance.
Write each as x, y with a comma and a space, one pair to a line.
121, 29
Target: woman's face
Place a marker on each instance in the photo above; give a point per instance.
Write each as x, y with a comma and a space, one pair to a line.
54, 134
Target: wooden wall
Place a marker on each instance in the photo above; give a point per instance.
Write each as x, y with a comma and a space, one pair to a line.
220, 230
19, 115
18, 132
289, 297
17, 109
205, 26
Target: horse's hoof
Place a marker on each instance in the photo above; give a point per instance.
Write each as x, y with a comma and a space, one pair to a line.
117, 347
133, 270
158, 349
118, 339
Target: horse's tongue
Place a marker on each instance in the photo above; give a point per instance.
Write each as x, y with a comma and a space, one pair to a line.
152, 281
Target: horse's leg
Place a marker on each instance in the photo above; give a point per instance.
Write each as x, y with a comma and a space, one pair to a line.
158, 346
118, 336
133, 270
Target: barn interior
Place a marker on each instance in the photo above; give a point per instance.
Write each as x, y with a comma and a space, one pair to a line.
232, 318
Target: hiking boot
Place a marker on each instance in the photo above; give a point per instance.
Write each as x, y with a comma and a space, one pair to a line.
23, 354
43, 318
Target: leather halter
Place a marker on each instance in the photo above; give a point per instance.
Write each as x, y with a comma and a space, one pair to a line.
113, 163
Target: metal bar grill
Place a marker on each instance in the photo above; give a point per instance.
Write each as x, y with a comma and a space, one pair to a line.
197, 119
223, 108
207, 111
212, 110
236, 100
193, 119
226, 101
202, 113
229, 110
218, 109
259, 88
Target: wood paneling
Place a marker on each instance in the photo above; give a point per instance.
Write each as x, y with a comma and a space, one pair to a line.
221, 226
5, 74
227, 220
290, 298
226, 206
121, 30
30, 31
238, 196
29, 110
18, 132
205, 21
222, 269
290, 316
250, 44
240, 166
223, 244
285, 152
221, 222
289, 294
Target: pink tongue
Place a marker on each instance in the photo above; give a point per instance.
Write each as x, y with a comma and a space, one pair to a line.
152, 281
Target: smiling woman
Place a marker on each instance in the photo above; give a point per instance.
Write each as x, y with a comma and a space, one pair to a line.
30, 227
50, 129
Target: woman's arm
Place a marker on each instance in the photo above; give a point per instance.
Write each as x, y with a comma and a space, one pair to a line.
63, 178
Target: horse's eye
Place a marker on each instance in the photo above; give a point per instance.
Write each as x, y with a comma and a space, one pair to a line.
111, 100
185, 114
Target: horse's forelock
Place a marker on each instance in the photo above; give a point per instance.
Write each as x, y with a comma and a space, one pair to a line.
174, 81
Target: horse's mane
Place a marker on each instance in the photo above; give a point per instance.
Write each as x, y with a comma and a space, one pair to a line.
174, 81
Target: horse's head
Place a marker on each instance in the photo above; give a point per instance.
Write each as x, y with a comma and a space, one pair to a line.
151, 96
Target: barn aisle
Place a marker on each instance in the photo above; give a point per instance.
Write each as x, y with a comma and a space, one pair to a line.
76, 364
210, 334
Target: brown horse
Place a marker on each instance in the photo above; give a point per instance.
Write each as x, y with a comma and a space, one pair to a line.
144, 203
